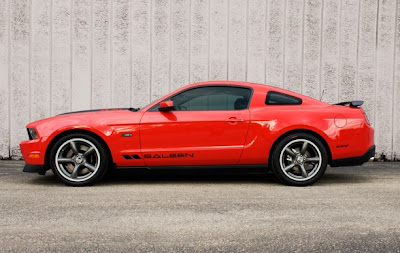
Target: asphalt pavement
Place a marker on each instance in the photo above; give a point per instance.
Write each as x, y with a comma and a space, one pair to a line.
349, 209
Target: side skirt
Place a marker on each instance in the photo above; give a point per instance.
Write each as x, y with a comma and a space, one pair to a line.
232, 168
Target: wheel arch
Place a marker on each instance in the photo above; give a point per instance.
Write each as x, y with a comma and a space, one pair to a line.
73, 131
301, 130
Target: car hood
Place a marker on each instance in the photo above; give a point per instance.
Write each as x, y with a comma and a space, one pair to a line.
87, 120
102, 110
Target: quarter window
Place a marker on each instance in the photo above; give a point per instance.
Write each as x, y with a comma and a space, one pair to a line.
277, 98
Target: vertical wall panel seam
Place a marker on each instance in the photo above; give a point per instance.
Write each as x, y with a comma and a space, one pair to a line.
302, 48
358, 51
110, 25
190, 41
151, 48
227, 40
339, 58
321, 91
111, 51
51, 57
284, 44
30, 61
394, 75
247, 41
170, 46
130, 52
209, 38
91, 53
266, 41
376, 59
71, 49
9, 79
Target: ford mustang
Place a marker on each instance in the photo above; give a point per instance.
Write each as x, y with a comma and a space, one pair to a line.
220, 124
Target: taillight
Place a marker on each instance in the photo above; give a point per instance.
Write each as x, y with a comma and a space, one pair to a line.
366, 118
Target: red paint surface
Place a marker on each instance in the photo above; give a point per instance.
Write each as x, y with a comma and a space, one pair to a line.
210, 137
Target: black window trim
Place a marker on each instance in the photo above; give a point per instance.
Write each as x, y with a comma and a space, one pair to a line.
155, 107
276, 92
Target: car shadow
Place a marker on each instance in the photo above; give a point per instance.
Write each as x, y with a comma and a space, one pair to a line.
132, 178
189, 177
343, 178
48, 180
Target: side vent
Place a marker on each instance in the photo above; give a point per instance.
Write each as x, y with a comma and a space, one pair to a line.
134, 156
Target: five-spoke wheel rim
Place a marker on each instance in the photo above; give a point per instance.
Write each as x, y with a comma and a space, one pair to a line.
77, 160
300, 160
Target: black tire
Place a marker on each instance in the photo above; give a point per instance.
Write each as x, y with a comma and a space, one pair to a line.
79, 159
294, 159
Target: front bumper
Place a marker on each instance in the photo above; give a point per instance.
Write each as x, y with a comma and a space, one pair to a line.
33, 151
34, 168
353, 161
34, 155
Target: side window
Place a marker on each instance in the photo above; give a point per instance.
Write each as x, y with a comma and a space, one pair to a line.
211, 98
277, 98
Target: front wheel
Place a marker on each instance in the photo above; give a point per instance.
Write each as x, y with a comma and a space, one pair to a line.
300, 159
79, 159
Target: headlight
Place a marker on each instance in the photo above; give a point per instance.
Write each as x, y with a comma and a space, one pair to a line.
32, 133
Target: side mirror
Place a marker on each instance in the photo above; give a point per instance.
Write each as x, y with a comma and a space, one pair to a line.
166, 106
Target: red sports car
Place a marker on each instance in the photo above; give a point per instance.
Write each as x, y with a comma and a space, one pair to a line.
221, 124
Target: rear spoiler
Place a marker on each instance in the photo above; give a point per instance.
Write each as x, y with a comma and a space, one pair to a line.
355, 103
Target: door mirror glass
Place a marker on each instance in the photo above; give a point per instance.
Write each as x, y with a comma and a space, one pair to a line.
166, 106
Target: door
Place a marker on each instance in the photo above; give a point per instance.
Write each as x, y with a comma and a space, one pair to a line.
208, 126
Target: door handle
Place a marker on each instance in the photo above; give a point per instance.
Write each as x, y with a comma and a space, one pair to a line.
234, 120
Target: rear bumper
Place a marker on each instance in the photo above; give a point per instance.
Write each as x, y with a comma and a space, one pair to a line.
34, 168
353, 161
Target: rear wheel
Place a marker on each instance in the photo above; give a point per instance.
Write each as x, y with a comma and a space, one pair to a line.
299, 159
79, 159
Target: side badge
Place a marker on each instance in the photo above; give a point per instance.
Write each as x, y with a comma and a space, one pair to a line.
126, 135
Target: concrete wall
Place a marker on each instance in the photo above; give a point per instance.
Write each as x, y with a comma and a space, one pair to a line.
60, 55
